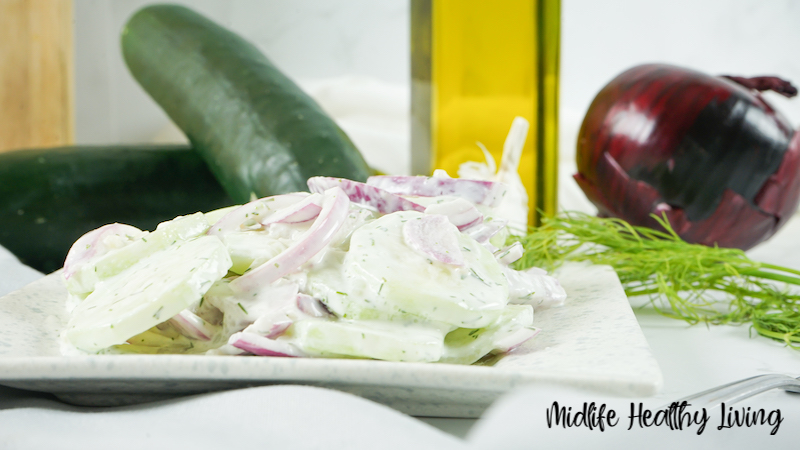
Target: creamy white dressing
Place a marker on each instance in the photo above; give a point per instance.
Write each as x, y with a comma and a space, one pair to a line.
380, 276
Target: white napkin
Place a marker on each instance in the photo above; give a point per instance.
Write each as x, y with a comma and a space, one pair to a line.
290, 417
303, 417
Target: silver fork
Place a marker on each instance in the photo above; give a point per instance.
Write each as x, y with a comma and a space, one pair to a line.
739, 390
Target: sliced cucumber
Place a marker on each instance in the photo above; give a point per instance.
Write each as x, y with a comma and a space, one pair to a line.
386, 341
465, 345
385, 278
180, 229
248, 246
149, 292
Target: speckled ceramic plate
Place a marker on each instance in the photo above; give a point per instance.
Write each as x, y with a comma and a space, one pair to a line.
594, 341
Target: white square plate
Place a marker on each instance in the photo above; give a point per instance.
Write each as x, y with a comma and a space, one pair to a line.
593, 341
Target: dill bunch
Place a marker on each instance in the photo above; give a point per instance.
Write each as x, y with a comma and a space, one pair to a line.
685, 281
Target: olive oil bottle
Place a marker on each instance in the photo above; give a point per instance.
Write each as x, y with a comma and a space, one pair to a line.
475, 65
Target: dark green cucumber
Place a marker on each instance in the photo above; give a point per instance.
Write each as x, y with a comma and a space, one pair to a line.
259, 133
50, 197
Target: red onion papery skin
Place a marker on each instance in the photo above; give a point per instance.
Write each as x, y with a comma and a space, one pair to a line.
706, 151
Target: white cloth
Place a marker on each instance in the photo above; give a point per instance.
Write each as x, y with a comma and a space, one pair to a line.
290, 417
302, 417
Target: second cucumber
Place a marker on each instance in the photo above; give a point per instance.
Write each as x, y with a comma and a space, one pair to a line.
257, 130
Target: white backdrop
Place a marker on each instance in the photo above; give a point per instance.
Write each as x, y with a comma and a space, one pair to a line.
314, 40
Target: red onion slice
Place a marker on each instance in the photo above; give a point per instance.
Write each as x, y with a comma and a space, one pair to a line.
435, 237
302, 211
255, 211
383, 201
479, 192
92, 244
261, 346
278, 329
284, 312
311, 306
460, 212
334, 213
192, 326
515, 339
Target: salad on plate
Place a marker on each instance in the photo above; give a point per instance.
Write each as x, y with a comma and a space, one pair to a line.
400, 268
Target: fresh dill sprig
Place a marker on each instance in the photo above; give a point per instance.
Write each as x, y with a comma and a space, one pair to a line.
692, 282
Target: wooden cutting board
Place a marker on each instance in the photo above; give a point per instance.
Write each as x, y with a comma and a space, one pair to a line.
36, 74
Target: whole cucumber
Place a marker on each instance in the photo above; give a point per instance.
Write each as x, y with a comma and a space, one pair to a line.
259, 133
50, 197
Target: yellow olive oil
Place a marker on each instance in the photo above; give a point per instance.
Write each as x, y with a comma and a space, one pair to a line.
475, 66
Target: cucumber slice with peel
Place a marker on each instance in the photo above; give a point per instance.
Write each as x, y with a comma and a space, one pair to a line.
385, 341
149, 292
383, 277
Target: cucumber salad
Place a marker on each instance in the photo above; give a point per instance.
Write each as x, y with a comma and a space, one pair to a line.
400, 268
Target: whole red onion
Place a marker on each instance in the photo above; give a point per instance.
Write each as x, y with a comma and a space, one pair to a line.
708, 152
